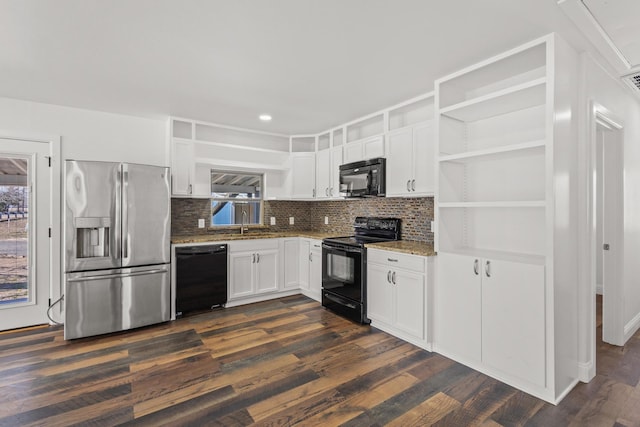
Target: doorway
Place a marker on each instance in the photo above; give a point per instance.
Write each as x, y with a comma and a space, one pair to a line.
25, 249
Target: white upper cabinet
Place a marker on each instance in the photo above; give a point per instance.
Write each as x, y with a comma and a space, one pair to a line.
182, 168
411, 161
323, 173
303, 172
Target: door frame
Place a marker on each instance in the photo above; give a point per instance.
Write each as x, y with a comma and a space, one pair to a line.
55, 248
598, 115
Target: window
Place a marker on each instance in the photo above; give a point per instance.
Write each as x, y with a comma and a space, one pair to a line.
236, 198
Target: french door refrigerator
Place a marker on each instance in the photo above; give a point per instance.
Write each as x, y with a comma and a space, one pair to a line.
116, 247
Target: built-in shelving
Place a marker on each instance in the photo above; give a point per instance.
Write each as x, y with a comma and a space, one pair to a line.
519, 97
505, 150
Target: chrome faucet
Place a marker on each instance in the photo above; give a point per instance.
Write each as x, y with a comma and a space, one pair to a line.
244, 220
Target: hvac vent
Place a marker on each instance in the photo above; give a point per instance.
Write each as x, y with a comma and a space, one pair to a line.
633, 80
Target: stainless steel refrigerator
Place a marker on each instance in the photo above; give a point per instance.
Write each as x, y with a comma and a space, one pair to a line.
116, 247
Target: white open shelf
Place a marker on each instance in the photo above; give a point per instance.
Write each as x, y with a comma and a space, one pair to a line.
505, 150
518, 97
498, 204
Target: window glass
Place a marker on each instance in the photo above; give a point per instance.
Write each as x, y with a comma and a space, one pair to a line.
236, 198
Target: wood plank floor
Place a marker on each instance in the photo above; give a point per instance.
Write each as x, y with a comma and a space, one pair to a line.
282, 362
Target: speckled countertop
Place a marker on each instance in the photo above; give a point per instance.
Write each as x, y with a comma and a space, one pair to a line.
405, 246
224, 237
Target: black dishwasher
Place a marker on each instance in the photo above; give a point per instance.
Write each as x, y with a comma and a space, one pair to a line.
201, 277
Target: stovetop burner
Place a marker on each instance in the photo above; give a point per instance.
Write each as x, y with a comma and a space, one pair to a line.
359, 241
369, 230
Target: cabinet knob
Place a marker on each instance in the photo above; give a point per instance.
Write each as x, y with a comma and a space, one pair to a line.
475, 267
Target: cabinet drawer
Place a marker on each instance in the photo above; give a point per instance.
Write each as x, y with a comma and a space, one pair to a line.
253, 245
396, 260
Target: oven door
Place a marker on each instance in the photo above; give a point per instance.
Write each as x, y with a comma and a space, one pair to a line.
342, 271
355, 182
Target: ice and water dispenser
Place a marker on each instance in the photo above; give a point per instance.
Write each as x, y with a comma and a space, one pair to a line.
92, 237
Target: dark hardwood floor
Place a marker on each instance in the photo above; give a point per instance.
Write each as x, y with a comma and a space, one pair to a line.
281, 362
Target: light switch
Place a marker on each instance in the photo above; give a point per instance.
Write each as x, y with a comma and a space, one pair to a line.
326, 220
201, 223
291, 220
273, 220
433, 225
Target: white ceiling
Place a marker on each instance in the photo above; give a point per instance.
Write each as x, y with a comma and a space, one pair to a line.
311, 64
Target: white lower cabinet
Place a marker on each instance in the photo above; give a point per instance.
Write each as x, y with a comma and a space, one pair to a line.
290, 249
253, 267
311, 268
491, 313
397, 294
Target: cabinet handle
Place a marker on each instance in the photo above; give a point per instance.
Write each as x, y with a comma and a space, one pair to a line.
475, 267
487, 268
393, 277
253, 258
310, 256
409, 185
413, 185
326, 191
190, 189
331, 191
313, 192
392, 260
389, 276
257, 257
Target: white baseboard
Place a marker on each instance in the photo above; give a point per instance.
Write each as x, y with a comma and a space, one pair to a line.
260, 298
586, 371
631, 327
599, 289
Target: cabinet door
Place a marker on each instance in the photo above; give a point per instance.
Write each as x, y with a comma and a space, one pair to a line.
379, 293
336, 162
291, 264
266, 271
457, 308
304, 175
424, 160
323, 174
315, 272
353, 152
373, 147
513, 323
240, 275
409, 303
399, 162
305, 254
181, 168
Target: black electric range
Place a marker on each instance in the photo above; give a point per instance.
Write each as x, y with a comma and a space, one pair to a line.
344, 260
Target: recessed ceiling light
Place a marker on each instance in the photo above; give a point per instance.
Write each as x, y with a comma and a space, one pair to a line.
265, 117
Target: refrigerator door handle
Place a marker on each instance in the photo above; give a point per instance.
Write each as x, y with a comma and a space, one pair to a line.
125, 211
117, 275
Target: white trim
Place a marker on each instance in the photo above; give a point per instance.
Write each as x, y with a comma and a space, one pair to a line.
218, 125
55, 203
631, 327
586, 371
584, 20
260, 298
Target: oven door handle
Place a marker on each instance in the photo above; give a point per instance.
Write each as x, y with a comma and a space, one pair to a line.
340, 249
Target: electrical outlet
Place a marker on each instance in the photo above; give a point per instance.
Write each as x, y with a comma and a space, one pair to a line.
291, 220
326, 220
201, 223
273, 220
433, 225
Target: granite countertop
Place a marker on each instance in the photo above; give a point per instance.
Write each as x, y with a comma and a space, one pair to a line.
405, 246
223, 237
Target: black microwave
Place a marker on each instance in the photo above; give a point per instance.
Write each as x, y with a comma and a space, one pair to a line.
363, 179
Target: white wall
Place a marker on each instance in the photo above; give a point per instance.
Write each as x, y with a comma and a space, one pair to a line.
608, 91
90, 135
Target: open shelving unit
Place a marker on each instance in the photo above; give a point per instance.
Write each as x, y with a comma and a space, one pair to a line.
505, 196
